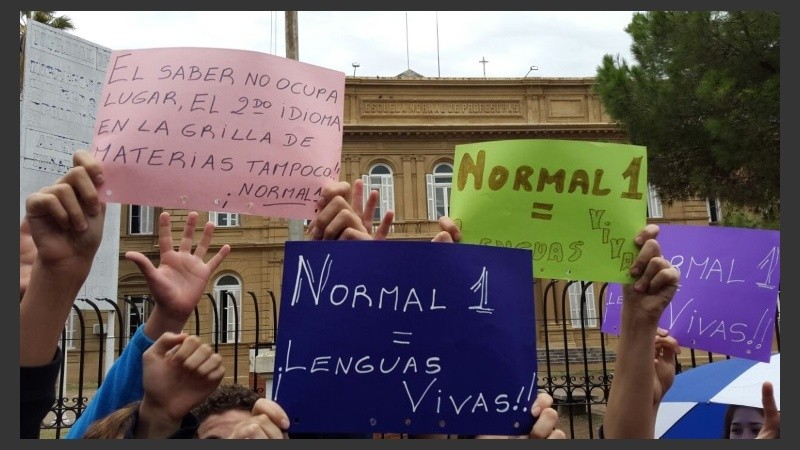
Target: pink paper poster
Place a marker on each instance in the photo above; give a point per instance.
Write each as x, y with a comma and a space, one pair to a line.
219, 130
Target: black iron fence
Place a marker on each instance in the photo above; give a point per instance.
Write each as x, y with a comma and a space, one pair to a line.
575, 361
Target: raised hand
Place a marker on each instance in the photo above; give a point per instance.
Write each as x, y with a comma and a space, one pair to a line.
341, 214
59, 237
65, 220
268, 421
179, 372
772, 417
178, 282
545, 426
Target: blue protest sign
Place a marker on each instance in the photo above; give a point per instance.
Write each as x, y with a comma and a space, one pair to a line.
408, 337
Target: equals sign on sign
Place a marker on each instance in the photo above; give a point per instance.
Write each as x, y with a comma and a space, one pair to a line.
543, 211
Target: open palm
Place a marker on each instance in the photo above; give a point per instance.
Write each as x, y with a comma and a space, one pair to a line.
181, 276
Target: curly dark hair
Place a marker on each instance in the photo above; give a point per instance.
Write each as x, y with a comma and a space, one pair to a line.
225, 398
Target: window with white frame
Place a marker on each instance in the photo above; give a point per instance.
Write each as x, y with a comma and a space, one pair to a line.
137, 311
439, 183
140, 219
714, 210
590, 313
69, 329
228, 295
654, 208
380, 179
223, 219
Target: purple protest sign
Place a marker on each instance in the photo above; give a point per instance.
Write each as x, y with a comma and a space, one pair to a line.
728, 289
409, 337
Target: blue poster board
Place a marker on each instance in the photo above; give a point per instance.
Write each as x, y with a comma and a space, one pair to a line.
406, 337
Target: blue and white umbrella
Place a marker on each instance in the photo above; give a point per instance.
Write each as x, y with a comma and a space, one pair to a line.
694, 407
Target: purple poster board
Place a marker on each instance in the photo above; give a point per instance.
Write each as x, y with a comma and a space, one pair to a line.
728, 290
406, 337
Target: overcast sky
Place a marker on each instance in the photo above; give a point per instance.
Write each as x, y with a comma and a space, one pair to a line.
559, 44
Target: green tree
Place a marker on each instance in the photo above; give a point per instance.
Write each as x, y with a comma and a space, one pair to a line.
45, 17
704, 98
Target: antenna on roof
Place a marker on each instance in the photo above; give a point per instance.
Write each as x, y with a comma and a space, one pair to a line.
408, 60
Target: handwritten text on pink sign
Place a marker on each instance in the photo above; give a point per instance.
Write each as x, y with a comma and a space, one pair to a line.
219, 130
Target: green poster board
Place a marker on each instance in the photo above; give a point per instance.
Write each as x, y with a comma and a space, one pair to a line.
576, 205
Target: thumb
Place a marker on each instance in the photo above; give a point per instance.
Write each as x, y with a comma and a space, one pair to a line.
142, 262
167, 341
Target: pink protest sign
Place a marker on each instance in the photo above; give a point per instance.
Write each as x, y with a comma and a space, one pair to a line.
728, 289
218, 130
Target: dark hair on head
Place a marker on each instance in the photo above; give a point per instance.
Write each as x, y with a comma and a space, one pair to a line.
726, 430
114, 425
225, 398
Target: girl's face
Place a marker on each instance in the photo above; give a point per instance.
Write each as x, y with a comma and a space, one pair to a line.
746, 423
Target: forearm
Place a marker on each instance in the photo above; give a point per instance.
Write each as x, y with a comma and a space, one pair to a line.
44, 309
630, 412
161, 321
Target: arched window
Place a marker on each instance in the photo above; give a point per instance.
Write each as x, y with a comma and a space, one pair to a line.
439, 183
380, 179
227, 292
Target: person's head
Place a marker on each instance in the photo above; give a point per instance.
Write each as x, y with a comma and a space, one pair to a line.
743, 422
114, 425
228, 405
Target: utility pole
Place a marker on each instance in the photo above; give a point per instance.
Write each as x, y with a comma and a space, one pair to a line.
292, 52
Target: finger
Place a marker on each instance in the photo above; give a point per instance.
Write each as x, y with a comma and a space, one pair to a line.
542, 401
205, 240
80, 181
186, 349
83, 158
449, 225
248, 430
368, 216
273, 410
332, 190
650, 249
385, 226
343, 220
356, 198
324, 217
40, 204
443, 236
167, 341
198, 355
665, 277
164, 233
650, 231
557, 434
545, 424
143, 262
210, 365
70, 203
768, 399
351, 234
187, 240
217, 259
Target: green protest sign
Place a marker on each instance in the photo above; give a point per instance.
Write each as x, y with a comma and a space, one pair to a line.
576, 205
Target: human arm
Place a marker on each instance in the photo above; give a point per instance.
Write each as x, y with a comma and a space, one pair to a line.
65, 223
630, 413
180, 371
177, 286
